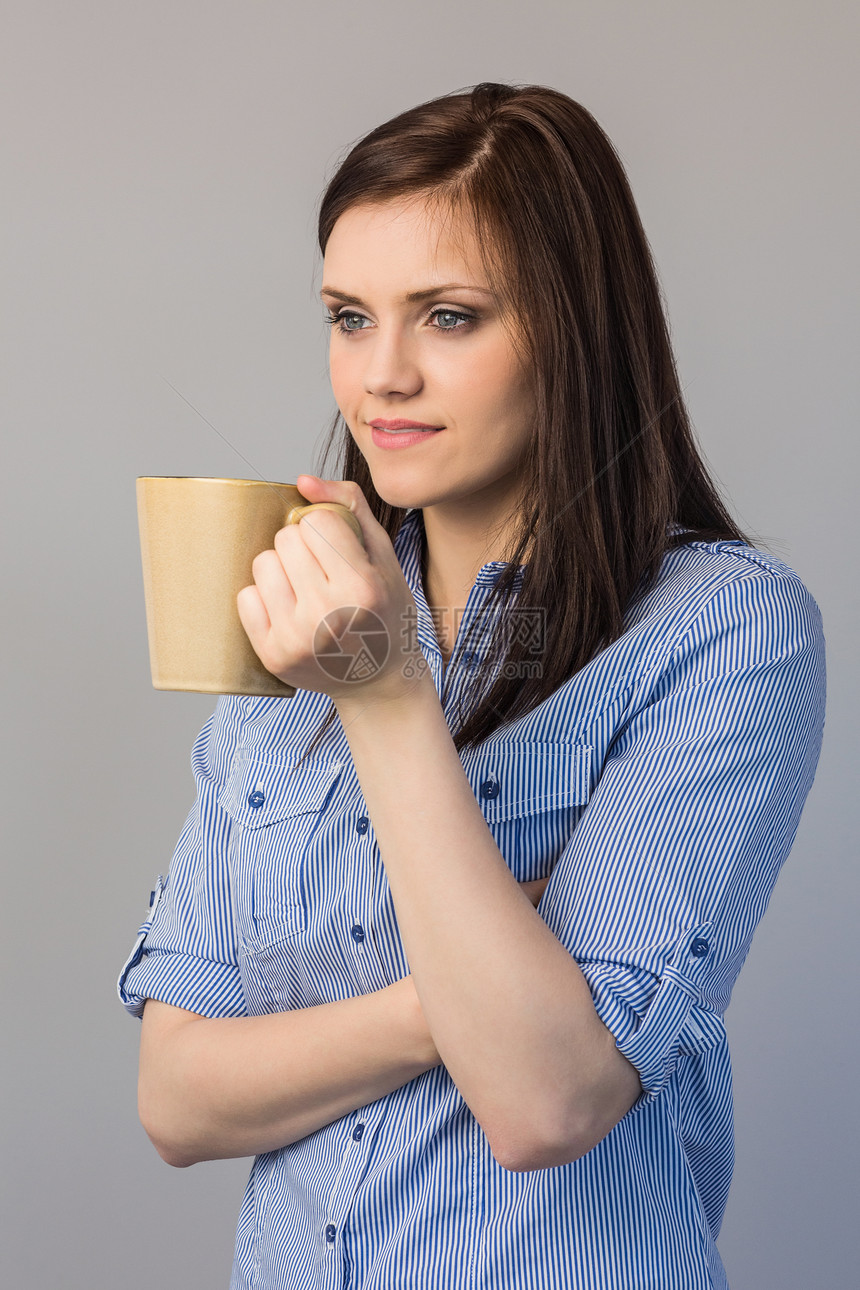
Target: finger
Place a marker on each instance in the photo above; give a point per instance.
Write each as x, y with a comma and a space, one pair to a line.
253, 617
299, 512
528, 889
333, 543
299, 555
535, 889
348, 493
276, 586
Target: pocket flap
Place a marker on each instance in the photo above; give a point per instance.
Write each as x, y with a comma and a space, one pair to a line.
263, 790
511, 778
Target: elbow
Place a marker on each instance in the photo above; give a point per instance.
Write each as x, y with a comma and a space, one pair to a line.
173, 1155
172, 1149
558, 1140
524, 1150
559, 1133
525, 1156
170, 1086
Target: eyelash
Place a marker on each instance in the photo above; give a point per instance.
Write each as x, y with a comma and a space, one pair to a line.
336, 320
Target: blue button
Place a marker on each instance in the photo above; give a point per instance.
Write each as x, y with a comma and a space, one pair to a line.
699, 948
357, 932
357, 1132
330, 1233
151, 898
490, 788
362, 823
256, 798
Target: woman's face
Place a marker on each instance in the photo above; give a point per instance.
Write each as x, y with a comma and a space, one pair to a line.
443, 360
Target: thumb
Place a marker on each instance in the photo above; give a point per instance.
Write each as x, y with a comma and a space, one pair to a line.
347, 493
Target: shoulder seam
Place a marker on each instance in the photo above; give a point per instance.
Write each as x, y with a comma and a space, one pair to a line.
749, 570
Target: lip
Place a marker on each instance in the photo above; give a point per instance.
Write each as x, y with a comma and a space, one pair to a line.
380, 424
402, 438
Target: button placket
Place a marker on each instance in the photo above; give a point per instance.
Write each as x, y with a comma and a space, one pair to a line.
353, 1161
356, 929
469, 659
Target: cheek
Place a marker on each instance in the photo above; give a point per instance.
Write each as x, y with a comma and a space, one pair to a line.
516, 410
505, 391
484, 384
342, 379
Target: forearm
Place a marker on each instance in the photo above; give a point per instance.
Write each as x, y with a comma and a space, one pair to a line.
508, 1008
215, 1088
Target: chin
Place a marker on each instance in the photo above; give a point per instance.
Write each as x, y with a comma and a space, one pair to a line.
404, 496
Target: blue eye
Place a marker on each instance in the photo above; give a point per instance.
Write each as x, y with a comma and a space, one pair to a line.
464, 321
338, 320
452, 313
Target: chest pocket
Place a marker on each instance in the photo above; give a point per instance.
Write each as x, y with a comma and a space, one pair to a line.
275, 806
531, 794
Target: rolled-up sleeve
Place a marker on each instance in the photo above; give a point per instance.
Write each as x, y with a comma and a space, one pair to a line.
186, 952
661, 886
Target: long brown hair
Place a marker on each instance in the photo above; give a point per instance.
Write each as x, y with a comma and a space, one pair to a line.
613, 472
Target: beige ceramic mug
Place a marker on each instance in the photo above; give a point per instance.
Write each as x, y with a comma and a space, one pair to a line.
198, 540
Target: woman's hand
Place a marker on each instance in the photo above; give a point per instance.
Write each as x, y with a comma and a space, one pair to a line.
324, 613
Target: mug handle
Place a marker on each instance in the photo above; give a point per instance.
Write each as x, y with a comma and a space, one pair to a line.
298, 511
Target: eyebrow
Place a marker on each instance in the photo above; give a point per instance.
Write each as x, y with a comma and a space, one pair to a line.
411, 297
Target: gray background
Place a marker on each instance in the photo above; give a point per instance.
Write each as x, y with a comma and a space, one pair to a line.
161, 168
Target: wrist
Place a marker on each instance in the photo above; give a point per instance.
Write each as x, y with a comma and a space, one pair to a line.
392, 701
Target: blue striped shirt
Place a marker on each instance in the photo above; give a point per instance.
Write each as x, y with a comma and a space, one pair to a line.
661, 787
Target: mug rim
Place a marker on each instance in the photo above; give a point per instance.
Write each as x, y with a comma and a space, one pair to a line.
216, 479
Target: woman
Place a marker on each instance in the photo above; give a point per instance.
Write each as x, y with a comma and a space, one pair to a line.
448, 937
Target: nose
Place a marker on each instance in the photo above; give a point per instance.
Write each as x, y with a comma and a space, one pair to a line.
392, 364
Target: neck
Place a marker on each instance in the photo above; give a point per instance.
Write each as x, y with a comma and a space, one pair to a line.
453, 553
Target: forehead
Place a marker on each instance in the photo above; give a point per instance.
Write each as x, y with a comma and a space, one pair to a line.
404, 238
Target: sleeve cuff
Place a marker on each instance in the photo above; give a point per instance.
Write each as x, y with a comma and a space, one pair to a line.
200, 985
206, 986
652, 1026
